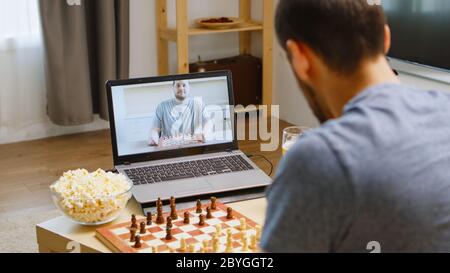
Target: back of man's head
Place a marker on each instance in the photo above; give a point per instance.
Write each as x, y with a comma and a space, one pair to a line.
343, 33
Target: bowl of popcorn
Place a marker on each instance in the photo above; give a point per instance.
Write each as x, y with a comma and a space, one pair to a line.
91, 198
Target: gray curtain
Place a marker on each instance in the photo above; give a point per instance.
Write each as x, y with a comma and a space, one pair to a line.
86, 45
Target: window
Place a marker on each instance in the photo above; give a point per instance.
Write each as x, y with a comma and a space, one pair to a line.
19, 22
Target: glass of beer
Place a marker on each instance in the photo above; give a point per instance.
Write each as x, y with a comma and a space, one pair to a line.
290, 136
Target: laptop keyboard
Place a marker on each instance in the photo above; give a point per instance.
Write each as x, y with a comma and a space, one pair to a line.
189, 169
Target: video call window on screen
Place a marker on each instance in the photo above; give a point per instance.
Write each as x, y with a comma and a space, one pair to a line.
170, 115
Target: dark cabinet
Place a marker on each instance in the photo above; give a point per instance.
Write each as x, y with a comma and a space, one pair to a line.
247, 76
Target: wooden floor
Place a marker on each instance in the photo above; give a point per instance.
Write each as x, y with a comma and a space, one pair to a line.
28, 168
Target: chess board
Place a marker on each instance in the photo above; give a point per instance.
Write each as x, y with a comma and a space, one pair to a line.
178, 141
117, 237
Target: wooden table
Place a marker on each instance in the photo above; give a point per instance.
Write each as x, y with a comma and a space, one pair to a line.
56, 234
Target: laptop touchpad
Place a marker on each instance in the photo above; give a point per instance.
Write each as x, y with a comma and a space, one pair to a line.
189, 186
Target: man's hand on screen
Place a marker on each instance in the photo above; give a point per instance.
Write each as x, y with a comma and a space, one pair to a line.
200, 138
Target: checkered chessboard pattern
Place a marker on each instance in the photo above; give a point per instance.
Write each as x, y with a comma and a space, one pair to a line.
117, 237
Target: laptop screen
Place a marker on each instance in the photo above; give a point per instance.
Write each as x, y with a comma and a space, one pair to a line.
168, 115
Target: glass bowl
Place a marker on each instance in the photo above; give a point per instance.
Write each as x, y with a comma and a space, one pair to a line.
92, 211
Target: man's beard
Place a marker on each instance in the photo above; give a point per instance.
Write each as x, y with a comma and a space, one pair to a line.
312, 100
180, 97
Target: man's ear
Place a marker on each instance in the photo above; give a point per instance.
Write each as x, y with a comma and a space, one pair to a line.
299, 60
387, 39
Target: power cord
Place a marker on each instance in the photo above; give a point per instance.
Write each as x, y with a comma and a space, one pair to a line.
263, 157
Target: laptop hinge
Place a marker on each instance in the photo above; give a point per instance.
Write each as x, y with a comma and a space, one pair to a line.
126, 163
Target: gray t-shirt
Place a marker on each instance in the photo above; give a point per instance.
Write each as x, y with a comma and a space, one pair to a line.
180, 119
380, 173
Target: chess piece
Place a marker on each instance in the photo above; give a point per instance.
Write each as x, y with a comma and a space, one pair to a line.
154, 249
133, 222
213, 203
183, 245
201, 221
191, 248
229, 236
169, 234
215, 243
132, 235
137, 243
159, 216
229, 213
229, 245
173, 209
253, 243
173, 212
134, 226
199, 206
142, 225
258, 232
149, 218
208, 213
186, 217
243, 225
229, 233
205, 245
169, 222
159, 203
218, 230
244, 242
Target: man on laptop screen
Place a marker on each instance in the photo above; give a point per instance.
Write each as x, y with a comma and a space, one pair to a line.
181, 118
172, 114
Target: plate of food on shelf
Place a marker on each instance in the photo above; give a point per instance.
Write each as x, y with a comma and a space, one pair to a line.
219, 22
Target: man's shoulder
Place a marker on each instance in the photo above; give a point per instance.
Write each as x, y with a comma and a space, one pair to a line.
311, 144
164, 104
390, 101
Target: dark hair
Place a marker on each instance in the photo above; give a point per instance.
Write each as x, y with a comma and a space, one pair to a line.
174, 82
341, 32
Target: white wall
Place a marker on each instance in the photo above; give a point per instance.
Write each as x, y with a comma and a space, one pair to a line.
293, 106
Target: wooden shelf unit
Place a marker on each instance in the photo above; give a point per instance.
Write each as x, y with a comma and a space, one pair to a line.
180, 35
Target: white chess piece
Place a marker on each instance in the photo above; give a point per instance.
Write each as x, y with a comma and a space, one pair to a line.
229, 246
215, 243
253, 243
154, 249
205, 244
229, 233
191, 248
219, 230
244, 243
183, 244
258, 232
243, 224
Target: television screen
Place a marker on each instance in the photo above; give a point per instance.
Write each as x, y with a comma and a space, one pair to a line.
420, 31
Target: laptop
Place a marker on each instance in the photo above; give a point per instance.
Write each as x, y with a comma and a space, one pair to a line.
176, 136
